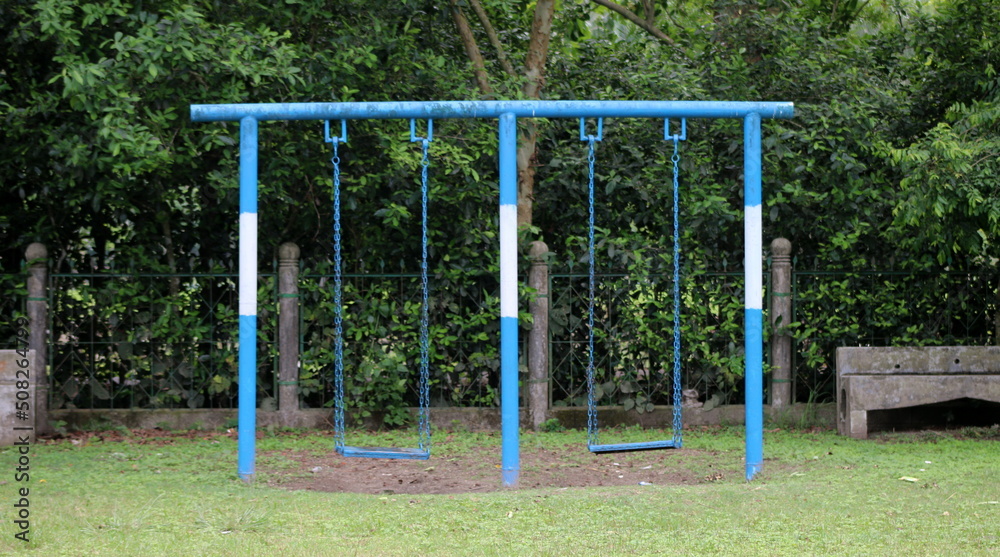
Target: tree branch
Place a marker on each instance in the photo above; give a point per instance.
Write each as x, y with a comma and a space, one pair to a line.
534, 73
471, 49
631, 16
477, 7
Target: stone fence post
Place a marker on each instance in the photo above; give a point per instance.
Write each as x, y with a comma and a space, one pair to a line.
538, 337
288, 332
781, 316
38, 318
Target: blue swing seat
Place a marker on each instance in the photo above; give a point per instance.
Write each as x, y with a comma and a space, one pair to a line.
639, 446
384, 452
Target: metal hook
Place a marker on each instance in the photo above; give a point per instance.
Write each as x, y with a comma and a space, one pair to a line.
583, 130
666, 131
335, 139
413, 131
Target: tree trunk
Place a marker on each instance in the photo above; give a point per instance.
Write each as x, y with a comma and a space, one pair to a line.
534, 71
174, 283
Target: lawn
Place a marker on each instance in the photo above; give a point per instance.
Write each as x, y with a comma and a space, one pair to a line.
156, 493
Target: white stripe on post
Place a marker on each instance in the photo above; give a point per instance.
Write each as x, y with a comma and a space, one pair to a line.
508, 261
248, 263
754, 294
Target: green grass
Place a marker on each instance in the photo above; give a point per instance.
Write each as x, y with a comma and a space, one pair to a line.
818, 494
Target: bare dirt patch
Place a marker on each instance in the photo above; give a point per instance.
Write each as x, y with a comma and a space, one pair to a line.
451, 468
478, 470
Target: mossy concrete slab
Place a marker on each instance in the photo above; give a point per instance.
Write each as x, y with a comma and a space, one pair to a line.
887, 378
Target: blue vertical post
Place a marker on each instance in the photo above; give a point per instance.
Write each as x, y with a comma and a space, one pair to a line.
247, 401
509, 411
754, 296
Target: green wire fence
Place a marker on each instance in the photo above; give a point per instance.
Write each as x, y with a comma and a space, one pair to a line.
169, 341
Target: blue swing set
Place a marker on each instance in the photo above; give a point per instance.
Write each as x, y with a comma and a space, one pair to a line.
507, 114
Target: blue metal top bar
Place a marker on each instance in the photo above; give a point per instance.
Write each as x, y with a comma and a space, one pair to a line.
490, 109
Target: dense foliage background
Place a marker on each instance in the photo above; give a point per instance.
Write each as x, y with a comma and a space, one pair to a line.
889, 164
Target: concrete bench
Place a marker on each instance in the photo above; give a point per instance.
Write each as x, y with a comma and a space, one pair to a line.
876, 379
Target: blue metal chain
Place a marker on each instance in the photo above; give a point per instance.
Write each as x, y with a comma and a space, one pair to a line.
592, 290
676, 159
338, 318
423, 426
